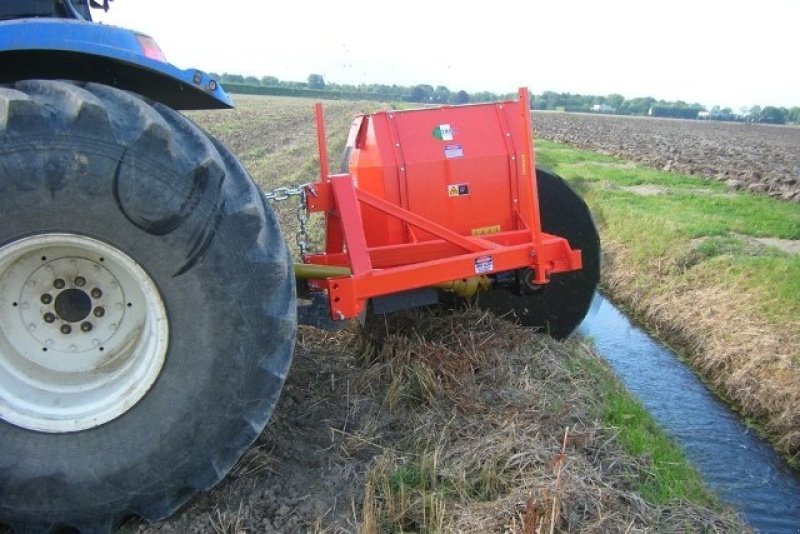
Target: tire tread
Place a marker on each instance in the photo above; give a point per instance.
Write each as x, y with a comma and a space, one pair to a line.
108, 116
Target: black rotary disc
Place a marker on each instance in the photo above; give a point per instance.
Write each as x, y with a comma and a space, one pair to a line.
558, 307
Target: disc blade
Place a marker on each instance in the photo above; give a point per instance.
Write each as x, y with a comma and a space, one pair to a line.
560, 306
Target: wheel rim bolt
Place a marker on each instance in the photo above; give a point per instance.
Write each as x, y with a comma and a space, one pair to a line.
96, 293
59, 283
99, 311
47, 298
86, 326
66, 329
80, 281
49, 318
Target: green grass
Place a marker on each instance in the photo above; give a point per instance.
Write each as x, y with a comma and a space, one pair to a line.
667, 475
690, 223
671, 476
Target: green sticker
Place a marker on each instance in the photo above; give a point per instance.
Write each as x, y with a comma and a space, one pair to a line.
443, 132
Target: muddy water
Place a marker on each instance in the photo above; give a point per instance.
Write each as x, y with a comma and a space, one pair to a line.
734, 460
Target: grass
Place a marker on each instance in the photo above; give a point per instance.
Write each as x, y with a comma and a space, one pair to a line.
683, 253
668, 476
504, 430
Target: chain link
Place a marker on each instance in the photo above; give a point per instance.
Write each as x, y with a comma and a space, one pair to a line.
280, 194
285, 193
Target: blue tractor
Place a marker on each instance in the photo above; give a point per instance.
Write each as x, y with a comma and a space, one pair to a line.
147, 302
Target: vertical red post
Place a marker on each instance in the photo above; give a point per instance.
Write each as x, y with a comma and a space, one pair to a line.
321, 142
528, 168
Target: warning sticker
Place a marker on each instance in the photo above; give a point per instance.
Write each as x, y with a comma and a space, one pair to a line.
457, 190
484, 264
443, 132
486, 230
453, 151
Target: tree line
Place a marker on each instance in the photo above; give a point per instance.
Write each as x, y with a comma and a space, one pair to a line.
315, 85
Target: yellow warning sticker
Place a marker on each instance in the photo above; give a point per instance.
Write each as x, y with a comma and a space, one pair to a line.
457, 190
486, 230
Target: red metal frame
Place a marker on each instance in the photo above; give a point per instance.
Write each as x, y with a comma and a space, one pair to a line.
387, 269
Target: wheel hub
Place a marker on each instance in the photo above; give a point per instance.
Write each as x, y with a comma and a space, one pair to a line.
83, 332
70, 304
73, 305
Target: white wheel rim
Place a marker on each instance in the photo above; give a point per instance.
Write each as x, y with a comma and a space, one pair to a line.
83, 333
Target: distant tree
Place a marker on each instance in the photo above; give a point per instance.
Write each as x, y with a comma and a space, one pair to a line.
462, 97
213, 75
683, 111
614, 100
421, 93
755, 113
269, 80
637, 106
483, 96
547, 100
772, 115
232, 78
316, 81
794, 115
441, 94
379, 90
252, 80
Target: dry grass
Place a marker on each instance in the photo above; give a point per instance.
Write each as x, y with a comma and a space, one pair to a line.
751, 360
274, 137
497, 432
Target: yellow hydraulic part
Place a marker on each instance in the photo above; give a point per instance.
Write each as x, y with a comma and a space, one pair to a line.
466, 287
307, 271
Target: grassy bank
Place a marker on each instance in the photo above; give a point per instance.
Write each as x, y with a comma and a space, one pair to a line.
495, 429
710, 270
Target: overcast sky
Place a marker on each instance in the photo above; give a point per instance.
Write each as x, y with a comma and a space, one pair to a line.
732, 53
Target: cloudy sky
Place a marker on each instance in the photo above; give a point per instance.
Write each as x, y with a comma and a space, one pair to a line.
732, 53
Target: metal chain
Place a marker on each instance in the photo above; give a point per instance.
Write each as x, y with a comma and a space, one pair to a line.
302, 232
280, 194
284, 193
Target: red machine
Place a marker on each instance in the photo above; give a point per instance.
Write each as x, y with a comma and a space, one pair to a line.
447, 194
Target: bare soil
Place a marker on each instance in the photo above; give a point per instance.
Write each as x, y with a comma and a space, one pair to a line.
763, 159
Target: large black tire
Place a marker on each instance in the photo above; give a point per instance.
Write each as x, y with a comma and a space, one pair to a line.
560, 306
95, 161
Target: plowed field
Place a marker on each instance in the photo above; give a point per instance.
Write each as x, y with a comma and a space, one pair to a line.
761, 158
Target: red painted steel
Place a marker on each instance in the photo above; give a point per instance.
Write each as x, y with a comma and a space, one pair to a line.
433, 195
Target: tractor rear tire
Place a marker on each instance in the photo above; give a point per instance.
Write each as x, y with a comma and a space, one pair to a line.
147, 308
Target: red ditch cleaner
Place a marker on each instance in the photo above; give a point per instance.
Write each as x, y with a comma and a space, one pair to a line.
449, 200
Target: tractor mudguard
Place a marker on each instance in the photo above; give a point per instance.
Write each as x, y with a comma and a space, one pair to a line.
37, 48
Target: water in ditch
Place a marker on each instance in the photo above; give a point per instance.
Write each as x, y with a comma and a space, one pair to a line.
735, 462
